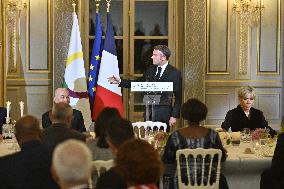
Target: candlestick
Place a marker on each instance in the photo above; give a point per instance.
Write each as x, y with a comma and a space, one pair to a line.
22, 108
8, 104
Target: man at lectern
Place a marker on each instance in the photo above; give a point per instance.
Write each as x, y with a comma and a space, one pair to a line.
168, 109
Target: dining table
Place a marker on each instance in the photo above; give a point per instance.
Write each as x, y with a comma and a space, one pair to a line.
8, 146
243, 167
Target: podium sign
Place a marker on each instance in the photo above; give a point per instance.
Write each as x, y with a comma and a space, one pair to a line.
151, 86
150, 100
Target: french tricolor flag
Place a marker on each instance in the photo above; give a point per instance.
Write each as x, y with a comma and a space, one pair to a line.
108, 95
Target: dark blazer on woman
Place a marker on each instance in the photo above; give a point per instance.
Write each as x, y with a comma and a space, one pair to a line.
237, 120
166, 107
76, 124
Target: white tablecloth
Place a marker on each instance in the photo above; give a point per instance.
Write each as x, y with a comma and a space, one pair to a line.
8, 146
243, 171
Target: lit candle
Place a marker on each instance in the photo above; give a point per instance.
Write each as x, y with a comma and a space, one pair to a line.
8, 103
22, 108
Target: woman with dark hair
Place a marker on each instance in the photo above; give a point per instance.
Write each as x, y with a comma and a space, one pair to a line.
193, 136
99, 146
138, 164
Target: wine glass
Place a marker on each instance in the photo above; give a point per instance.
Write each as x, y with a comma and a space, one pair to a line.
246, 135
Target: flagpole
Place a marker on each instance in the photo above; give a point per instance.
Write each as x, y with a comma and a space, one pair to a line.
74, 6
108, 4
97, 6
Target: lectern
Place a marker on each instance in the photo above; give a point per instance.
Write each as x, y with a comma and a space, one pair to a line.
152, 94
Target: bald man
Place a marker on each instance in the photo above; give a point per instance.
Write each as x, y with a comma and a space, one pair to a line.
62, 95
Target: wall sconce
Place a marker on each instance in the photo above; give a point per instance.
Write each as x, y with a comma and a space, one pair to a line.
249, 9
15, 5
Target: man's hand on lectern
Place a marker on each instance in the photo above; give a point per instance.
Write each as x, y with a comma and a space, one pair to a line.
114, 80
172, 121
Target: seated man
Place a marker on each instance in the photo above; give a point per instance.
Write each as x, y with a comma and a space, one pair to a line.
72, 164
29, 168
60, 130
62, 95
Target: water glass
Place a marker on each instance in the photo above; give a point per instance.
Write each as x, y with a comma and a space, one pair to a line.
257, 148
246, 135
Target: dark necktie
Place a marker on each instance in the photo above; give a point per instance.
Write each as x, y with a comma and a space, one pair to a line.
157, 77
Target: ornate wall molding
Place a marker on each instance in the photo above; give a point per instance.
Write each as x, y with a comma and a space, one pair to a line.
62, 28
195, 49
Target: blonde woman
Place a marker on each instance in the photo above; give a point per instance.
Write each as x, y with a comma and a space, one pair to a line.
244, 115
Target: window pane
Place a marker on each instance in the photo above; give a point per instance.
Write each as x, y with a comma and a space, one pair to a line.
116, 11
119, 50
151, 18
143, 50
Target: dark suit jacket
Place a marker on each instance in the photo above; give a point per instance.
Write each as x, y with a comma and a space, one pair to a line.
57, 133
3, 114
167, 108
27, 169
237, 120
77, 121
110, 180
273, 178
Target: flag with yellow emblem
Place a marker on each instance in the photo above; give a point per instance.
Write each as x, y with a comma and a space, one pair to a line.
95, 62
74, 77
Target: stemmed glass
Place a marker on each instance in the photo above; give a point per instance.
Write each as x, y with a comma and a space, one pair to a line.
257, 147
246, 135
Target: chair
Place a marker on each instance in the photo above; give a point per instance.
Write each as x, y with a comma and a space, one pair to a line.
198, 168
149, 124
100, 166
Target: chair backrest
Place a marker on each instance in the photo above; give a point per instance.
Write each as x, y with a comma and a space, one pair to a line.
198, 168
149, 124
100, 166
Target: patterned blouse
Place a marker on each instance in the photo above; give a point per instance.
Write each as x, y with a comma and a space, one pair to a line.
175, 142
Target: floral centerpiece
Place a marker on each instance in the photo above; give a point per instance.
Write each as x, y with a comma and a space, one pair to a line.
161, 138
259, 133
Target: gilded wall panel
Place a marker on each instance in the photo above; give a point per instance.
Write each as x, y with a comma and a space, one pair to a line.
269, 103
218, 104
269, 47
38, 36
35, 96
195, 49
218, 31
